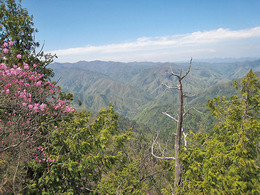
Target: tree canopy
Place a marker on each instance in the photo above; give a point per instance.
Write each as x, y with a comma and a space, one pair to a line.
48, 147
226, 160
17, 25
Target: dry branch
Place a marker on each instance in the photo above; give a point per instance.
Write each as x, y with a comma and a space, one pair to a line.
165, 113
164, 158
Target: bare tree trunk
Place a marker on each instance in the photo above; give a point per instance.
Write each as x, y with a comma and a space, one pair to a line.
181, 114
177, 147
178, 168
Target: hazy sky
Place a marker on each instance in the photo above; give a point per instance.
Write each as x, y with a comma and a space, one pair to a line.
147, 30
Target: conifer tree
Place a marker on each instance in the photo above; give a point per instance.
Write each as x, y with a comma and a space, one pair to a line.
16, 25
227, 160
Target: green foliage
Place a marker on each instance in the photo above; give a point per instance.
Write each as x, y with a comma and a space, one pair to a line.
136, 89
96, 91
227, 160
195, 121
17, 25
84, 152
66, 96
124, 181
151, 172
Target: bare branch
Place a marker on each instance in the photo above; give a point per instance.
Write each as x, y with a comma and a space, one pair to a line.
165, 113
164, 158
192, 108
181, 114
204, 143
169, 87
187, 71
179, 75
188, 96
15, 145
176, 75
185, 140
15, 173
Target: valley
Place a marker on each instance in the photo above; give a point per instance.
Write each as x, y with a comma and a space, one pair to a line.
138, 89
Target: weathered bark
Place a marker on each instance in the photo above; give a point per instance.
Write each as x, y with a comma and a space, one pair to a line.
178, 134
178, 168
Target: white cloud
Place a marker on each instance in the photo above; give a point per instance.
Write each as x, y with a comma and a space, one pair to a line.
169, 48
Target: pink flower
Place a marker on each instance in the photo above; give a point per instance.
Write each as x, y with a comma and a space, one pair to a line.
43, 106
47, 83
24, 104
35, 65
3, 66
5, 44
38, 83
35, 108
7, 91
11, 43
19, 56
26, 66
5, 50
30, 106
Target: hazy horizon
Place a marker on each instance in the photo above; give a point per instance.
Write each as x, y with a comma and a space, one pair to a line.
128, 31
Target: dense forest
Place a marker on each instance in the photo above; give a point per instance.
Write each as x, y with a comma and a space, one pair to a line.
123, 128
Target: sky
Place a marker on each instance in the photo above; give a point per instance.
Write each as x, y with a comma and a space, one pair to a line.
147, 30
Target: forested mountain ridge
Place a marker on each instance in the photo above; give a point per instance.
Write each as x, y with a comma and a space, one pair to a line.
133, 87
122, 72
232, 70
50, 147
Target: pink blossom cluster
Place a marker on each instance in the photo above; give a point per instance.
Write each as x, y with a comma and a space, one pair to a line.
6, 45
31, 106
23, 84
43, 155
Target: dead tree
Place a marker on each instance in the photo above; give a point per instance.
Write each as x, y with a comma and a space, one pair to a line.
178, 134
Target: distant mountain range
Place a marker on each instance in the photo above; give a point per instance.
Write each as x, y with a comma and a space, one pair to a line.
227, 60
136, 88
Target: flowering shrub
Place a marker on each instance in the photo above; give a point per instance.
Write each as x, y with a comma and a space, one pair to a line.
29, 108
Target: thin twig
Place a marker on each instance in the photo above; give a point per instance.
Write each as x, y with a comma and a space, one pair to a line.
187, 71
165, 113
15, 145
192, 108
169, 87
15, 173
167, 158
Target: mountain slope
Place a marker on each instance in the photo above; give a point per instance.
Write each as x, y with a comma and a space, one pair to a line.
97, 90
135, 87
118, 71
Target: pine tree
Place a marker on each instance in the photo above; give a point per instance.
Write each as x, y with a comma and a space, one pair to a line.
16, 25
227, 160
